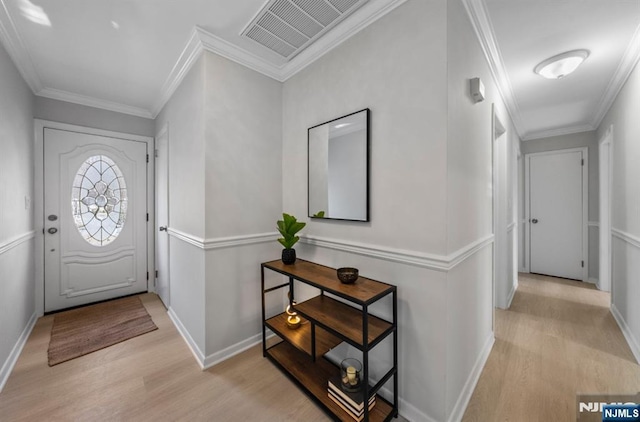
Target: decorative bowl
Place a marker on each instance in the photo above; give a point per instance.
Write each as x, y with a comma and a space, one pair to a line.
347, 275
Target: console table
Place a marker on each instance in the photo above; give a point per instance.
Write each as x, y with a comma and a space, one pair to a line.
300, 352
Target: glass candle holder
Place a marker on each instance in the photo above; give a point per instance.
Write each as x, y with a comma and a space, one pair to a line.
351, 375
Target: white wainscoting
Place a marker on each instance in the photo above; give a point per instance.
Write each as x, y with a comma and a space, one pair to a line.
632, 339
634, 345
434, 262
16, 241
197, 353
11, 360
470, 385
6, 369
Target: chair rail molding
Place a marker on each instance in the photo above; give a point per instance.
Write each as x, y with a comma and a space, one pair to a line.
434, 262
222, 242
626, 237
16, 241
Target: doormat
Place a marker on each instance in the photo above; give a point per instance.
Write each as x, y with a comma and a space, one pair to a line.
84, 330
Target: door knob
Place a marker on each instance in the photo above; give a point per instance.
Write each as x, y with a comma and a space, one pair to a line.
52, 230
534, 221
163, 228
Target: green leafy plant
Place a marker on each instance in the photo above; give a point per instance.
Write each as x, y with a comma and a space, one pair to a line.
319, 214
288, 227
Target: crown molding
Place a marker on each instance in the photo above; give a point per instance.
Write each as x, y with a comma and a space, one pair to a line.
189, 55
622, 73
228, 50
479, 16
202, 40
70, 97
16, 48
558, 132
199, 41
360, 19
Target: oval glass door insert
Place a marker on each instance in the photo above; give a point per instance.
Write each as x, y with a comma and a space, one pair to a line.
99, 200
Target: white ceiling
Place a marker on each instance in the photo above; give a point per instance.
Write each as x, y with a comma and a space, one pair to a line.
130, 55
519, 34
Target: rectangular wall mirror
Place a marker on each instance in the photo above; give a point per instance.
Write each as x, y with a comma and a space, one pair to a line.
339, 168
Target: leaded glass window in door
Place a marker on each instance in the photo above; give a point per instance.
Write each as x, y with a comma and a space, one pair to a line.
99, 200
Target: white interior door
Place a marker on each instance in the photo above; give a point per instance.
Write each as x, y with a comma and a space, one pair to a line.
95, 218
556, 212
162, 216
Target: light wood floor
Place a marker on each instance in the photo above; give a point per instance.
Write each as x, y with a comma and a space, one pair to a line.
557, 339
153, 377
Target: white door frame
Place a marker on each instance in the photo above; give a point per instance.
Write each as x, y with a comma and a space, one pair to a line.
38, 199
585, 204
605, 175
497, 132
164, 131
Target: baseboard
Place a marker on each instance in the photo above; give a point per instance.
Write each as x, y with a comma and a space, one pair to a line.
634, 345
465, 395
405, 409
229, 352
187, 337
11, 361
512, 293
411, 413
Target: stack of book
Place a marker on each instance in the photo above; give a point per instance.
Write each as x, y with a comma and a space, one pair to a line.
352, 403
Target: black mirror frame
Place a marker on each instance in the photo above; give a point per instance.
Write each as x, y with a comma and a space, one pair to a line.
368, 166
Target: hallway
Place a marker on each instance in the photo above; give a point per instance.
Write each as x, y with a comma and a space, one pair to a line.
557, 339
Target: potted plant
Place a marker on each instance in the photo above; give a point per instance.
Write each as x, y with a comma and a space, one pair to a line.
288, 227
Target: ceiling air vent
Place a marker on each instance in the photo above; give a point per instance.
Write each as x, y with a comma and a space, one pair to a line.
289, 26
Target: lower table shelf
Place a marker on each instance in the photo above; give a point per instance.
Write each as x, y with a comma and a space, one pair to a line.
313, 377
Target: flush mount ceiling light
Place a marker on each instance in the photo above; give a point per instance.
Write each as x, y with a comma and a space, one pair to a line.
557, 67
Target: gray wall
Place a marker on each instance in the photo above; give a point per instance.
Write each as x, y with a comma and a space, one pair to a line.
17, 303
401, 77
578, 140
243, 185
430, 188
625, 218
76, 114
183, 114
225, 184
470, 146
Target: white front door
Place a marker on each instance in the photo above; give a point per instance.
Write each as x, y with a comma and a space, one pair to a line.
556, 213
95, 218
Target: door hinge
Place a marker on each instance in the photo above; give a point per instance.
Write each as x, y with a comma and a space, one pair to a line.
582, 264
147, 158
147, 216
156, 273
147, 275
155, 154
583, 161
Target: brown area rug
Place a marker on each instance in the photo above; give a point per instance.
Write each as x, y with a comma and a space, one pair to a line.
84, 330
